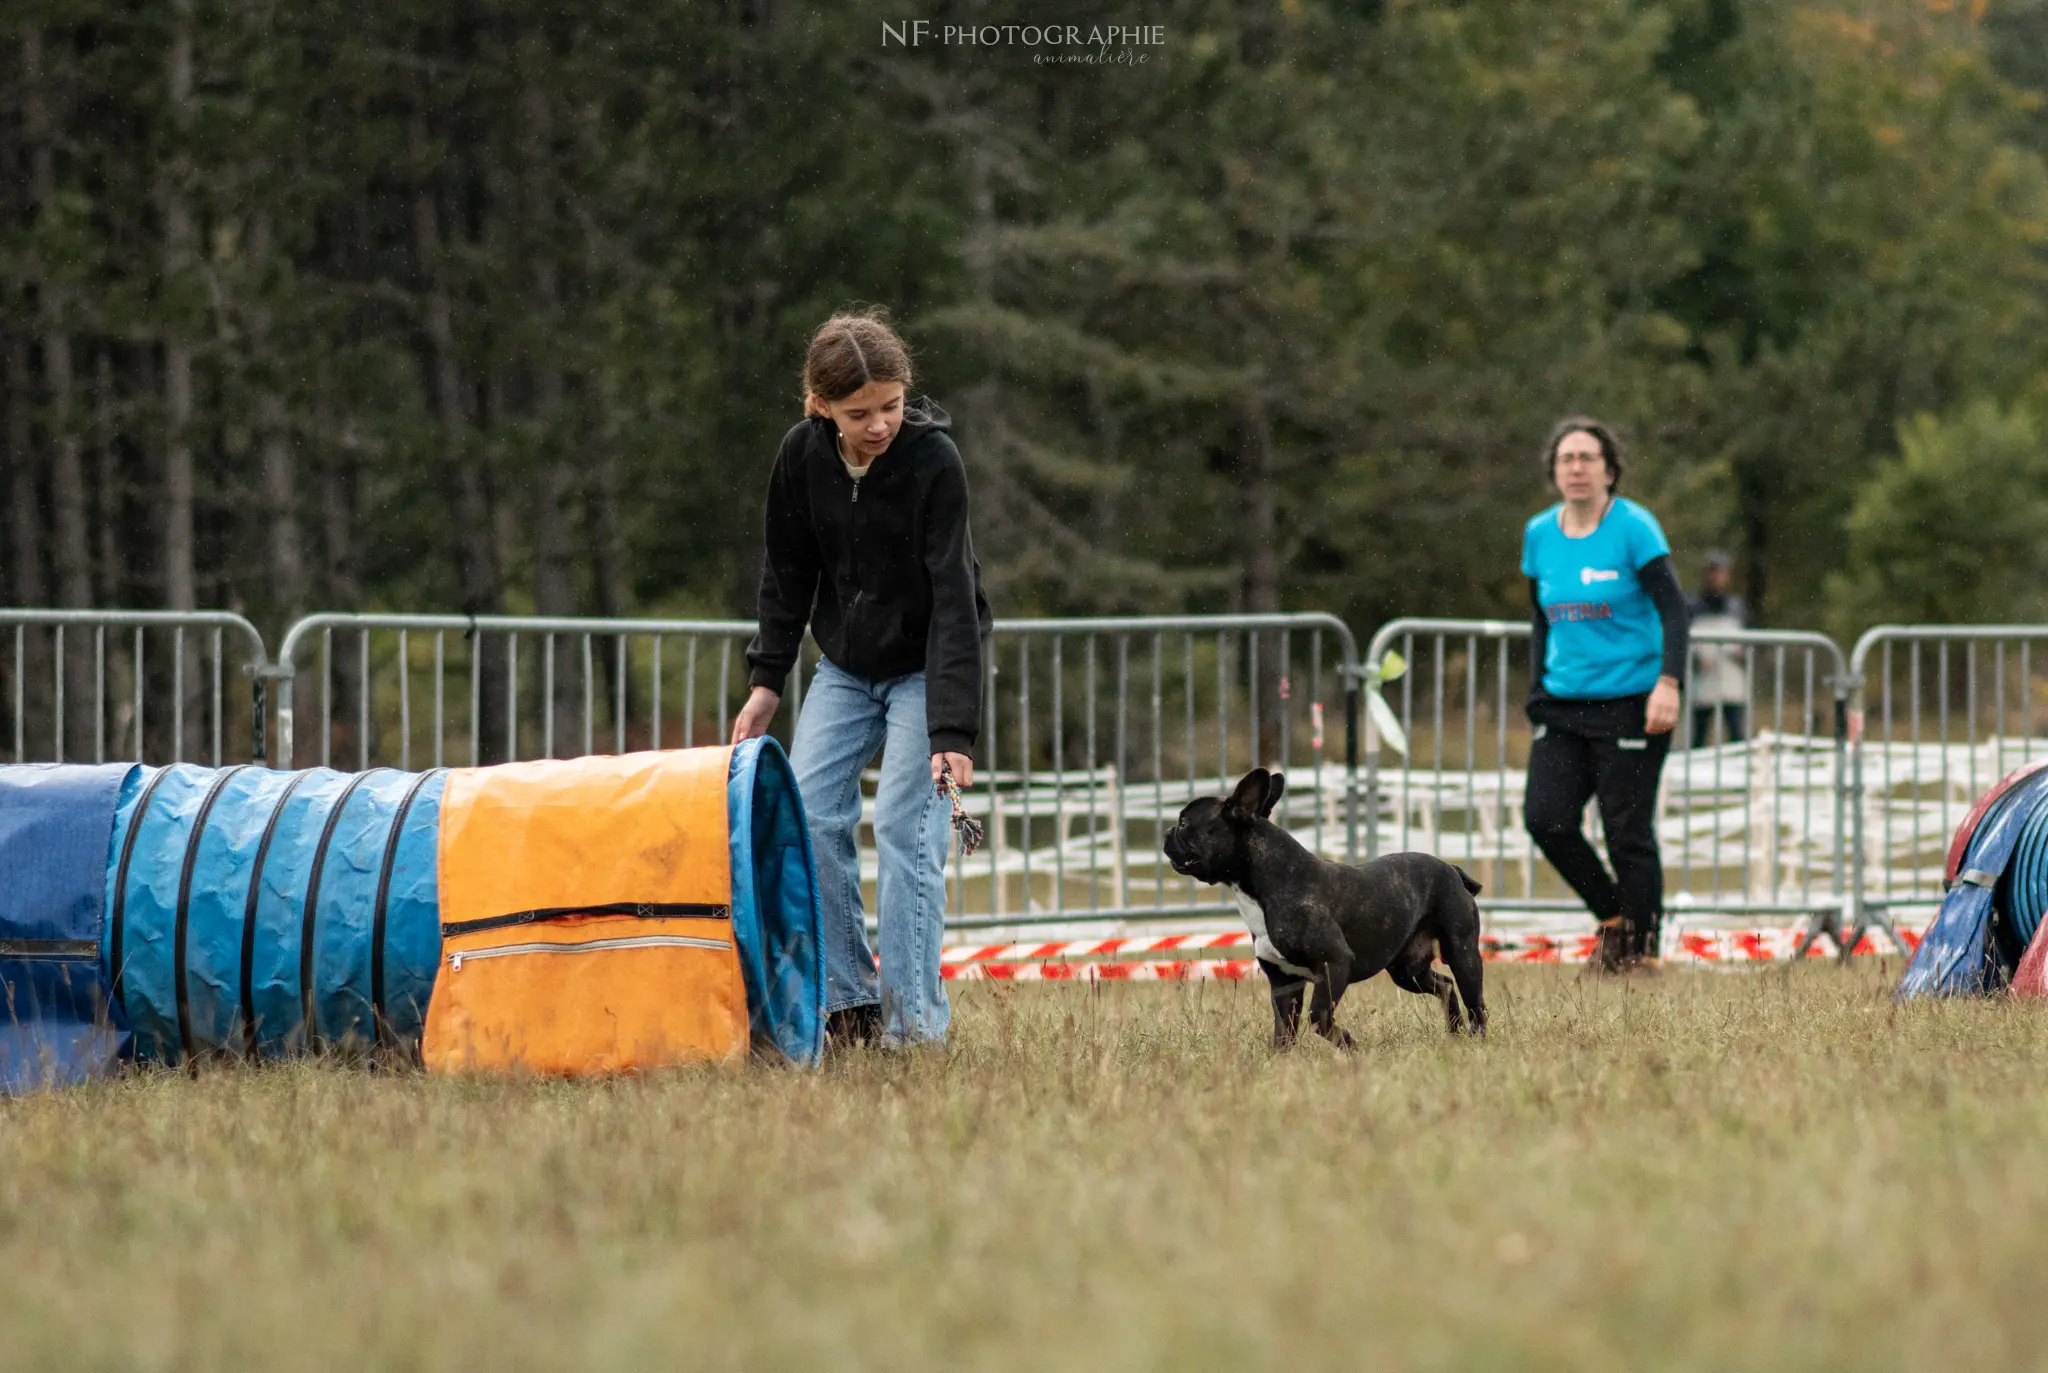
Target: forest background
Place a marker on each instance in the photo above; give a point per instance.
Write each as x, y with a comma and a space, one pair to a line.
499, 305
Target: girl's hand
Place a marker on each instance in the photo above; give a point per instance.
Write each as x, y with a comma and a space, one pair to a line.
962, 765
754, 717
1663, 711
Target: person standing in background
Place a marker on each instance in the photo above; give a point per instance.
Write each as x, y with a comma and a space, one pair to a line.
1720, 679
1608, 634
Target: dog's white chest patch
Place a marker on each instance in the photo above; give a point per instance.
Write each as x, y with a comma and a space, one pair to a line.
1262, 943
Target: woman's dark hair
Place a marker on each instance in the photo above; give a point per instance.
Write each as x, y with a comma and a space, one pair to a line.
852, 349
1610, 447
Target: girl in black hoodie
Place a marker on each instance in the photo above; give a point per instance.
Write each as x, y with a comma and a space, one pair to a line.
868, 544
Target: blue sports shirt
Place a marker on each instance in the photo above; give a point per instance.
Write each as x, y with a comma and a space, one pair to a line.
1605, 637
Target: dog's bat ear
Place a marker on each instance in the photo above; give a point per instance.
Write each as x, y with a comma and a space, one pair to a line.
1276, 786
1250, 794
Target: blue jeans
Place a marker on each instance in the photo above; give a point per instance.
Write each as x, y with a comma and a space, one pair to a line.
845, 719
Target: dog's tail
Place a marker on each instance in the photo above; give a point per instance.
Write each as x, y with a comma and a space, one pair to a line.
1466, 877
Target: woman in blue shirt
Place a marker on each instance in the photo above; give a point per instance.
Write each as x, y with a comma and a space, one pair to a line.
1610, 643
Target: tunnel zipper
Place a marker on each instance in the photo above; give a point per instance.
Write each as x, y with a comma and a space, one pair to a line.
637, 941
644, 910
62, 950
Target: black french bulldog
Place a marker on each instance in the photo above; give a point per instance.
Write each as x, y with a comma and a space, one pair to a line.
1333, 924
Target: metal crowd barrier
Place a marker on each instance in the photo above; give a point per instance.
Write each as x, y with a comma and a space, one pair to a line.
1096, 731
433, 690
1748, 826
1836, 803
1941, 712
1100, 731
88, 685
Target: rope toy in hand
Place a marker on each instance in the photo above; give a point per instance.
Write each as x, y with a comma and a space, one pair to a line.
967, 825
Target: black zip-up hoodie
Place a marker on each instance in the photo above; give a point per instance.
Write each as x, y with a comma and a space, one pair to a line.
883, 569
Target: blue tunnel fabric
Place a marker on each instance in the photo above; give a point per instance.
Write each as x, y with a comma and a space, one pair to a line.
55, 823
1958, 955
344, 940
254, 860
2023, 892
776, 916
55, 819
218, 906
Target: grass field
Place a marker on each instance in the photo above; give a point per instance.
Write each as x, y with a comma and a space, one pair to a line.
1704, 1170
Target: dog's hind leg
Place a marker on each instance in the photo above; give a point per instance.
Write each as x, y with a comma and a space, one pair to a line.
1287, 988
1470, 970
1322, 1003
1459, 945
1412, 972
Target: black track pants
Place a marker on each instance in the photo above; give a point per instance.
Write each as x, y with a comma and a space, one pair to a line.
1565, 771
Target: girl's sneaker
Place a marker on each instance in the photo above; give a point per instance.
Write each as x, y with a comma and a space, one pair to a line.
854, 1026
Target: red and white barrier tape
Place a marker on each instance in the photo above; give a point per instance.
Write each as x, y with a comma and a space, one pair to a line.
1094, 948
1192, 970
1765, 945
1121, 960
1771, 945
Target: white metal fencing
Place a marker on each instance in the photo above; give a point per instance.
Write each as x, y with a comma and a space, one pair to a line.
1940, 713
431, 690
1821, 786
1096, 731
94, 685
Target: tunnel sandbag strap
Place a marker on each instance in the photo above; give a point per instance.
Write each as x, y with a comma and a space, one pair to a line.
116, 918
182, 924
639, 910
378, 917
248, 978
310, 926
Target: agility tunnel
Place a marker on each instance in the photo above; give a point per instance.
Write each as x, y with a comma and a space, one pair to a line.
1988, 935
575, 916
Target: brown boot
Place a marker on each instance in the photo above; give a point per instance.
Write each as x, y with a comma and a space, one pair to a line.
1610, 955
1640, 959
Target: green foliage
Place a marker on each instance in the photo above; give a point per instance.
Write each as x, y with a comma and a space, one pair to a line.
1277, 317
1871, 240
1954, 529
